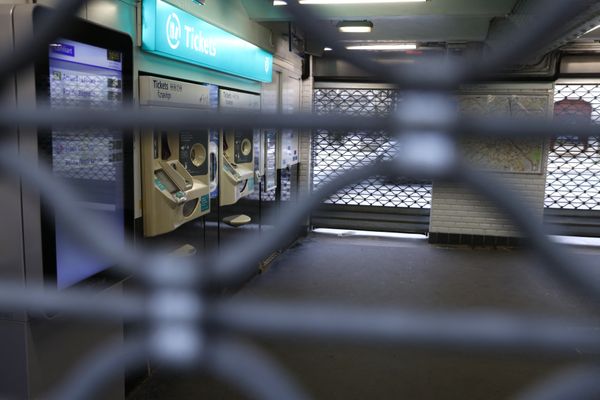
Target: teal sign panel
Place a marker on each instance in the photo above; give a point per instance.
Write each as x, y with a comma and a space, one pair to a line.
174, 33
204, 203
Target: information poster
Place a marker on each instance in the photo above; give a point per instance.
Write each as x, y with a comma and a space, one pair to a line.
270, 159
514, 155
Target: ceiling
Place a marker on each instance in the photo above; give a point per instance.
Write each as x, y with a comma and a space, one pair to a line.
425, 28
434, 24
432, 21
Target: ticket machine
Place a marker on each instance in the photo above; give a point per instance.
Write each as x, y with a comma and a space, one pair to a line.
237, 175
237, 166
175, 163
89, 67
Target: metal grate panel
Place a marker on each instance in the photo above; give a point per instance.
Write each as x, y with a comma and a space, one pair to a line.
286, 184
573, 180
265, 195
337, 151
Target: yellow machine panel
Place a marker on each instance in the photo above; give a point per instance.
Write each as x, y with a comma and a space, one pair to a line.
175, 163
237, 166
237, 175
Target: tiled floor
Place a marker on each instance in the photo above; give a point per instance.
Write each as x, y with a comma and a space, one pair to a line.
404, 273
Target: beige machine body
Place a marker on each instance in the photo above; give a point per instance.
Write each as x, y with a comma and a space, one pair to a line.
237, 173
175, 163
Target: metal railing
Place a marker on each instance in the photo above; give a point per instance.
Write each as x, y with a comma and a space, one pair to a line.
186, 326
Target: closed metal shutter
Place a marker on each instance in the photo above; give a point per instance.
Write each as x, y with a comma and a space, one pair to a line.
573, 182
378, 203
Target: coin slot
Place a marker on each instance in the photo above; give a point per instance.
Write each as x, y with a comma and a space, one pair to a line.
198, 154
246, 147
189, 207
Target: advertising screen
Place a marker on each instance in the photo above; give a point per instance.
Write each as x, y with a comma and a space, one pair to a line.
90, 159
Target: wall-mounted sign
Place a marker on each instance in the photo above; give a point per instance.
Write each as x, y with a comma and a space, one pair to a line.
174, 33
157, 91
238, 100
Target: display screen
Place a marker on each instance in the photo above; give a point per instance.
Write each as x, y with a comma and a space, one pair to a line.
90, 160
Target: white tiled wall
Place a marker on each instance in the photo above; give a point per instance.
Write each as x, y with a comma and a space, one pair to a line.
458, 210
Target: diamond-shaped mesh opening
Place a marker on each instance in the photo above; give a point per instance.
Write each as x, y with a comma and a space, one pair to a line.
337, 151
573, 162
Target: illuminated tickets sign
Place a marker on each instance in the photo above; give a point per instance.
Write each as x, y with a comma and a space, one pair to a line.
174, 33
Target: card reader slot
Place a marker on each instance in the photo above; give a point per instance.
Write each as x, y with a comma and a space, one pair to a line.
230, 170
177, 172
166, 181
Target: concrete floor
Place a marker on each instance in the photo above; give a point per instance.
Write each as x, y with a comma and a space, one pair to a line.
406, 273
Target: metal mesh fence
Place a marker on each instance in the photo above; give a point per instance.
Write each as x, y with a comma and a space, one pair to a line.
186, 326
265, 195
573, 179
286, 184
336, 151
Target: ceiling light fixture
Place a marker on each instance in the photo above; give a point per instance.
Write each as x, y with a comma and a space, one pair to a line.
592, 30
358, 1
327, 49
384, 47
283, 3
355, 26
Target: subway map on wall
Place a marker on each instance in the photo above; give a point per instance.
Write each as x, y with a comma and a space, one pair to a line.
505, 155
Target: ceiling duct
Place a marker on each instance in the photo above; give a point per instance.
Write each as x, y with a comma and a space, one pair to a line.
565, 33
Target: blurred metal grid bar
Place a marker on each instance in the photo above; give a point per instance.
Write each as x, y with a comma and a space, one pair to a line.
181, 317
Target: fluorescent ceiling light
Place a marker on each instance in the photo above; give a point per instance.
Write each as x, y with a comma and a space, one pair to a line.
397, 61
592, 30
327, 49
384, 46
283, 3
355, 26
355, 29
358, 1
